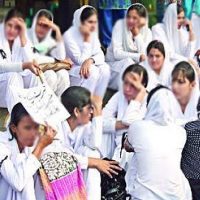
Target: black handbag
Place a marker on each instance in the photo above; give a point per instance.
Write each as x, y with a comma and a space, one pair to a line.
114, 188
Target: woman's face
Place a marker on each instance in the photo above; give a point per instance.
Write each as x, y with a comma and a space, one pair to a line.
91, 23
130, 92
12, 29
134, 20
181, 19
182, 88
85, 115
42, 27
156, 60
26, 131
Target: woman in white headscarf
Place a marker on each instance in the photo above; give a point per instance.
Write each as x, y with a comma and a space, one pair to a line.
84, 49
176, 33
47, 49
16, 58
185, 86
158, 143
157, 65
130, 38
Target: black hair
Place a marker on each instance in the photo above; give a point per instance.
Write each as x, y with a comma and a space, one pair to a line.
138, 69
87, 12
186, 69
139, 8
13, 12
17, 113
46, 14
156, 44
75, 97
179, 9
153, 91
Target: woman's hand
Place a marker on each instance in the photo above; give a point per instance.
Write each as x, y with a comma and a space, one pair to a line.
67, 61
97, 103
52, 26
85, 31
32, 66
85, 68
44, 140
105, 166
136, 81
22, 30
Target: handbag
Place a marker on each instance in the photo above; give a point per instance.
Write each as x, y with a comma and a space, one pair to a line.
114, 188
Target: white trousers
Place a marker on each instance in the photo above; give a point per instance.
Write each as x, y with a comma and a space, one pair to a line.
22, 80
58, 81
97, 82
117, 70
91, 176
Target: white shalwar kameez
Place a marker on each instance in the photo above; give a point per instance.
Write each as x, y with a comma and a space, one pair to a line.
125, 49
16, 170
11, 72
158, 143
119, 109
79, 51
84, 142
49, 50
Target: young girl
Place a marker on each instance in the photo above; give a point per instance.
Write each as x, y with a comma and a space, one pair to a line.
15, 56
81, 133
176, 33
157, 65
47, 49
18, 163
185, 87
83, 47
130, 38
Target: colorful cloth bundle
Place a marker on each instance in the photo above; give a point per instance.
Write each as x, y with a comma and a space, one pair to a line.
61, 177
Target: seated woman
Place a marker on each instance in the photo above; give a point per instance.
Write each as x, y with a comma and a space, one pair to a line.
16, 58
130, 38
47, 49
81, 133
176, 33
123, 109
185, 87
83, 47
157, 65
17, 164
158, 143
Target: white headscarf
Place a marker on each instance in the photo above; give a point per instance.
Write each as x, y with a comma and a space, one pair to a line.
77, 16
163, 108
171, 29
128, 43
32, 33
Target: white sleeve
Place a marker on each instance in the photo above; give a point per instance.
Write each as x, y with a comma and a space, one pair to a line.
27, 52
82, 160
77, 55
18, 174
110, 113
133, 112
188, 47
93, 133
98, 55
59, 51
117, 45
10, 67
43, 58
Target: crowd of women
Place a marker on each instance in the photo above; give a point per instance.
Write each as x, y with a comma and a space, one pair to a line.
156, 76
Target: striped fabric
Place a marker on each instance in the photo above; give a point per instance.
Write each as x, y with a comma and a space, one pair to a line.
61, 177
